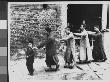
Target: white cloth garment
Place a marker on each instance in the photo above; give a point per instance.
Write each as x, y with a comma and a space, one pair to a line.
85, 46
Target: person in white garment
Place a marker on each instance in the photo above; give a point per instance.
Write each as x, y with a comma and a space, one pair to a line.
85, 50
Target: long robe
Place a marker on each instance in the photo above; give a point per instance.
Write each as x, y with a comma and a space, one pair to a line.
85, 50
70, 48
98, 49
51, 55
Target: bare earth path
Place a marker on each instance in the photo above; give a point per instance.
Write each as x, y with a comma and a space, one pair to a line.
91, 71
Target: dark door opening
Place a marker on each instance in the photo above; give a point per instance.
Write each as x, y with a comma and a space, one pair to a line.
91, 13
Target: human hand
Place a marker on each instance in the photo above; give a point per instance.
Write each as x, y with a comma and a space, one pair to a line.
35, 48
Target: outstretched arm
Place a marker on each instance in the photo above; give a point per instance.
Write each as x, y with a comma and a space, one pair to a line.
93, 34
69, 36
79, 34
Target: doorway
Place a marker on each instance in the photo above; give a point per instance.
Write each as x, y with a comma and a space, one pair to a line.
91, 13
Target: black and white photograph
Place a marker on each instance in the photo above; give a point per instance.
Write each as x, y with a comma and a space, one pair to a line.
58, 40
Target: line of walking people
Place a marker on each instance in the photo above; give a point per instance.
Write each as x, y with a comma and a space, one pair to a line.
68, 45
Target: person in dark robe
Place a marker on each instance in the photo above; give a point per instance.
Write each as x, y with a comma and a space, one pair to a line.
30, 57
98, 53
70, 50
51, 54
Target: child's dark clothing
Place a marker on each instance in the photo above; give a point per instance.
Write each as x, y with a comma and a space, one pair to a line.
30, 60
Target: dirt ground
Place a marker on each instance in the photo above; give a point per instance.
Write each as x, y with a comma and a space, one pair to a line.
91, 71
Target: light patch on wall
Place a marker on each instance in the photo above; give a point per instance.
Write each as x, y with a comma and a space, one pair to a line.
3, 24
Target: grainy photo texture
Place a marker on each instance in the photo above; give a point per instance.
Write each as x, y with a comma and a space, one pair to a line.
58, 41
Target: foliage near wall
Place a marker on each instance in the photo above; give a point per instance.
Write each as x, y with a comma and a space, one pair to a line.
30, 20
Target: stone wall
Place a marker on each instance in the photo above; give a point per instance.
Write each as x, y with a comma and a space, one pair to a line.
30, 20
